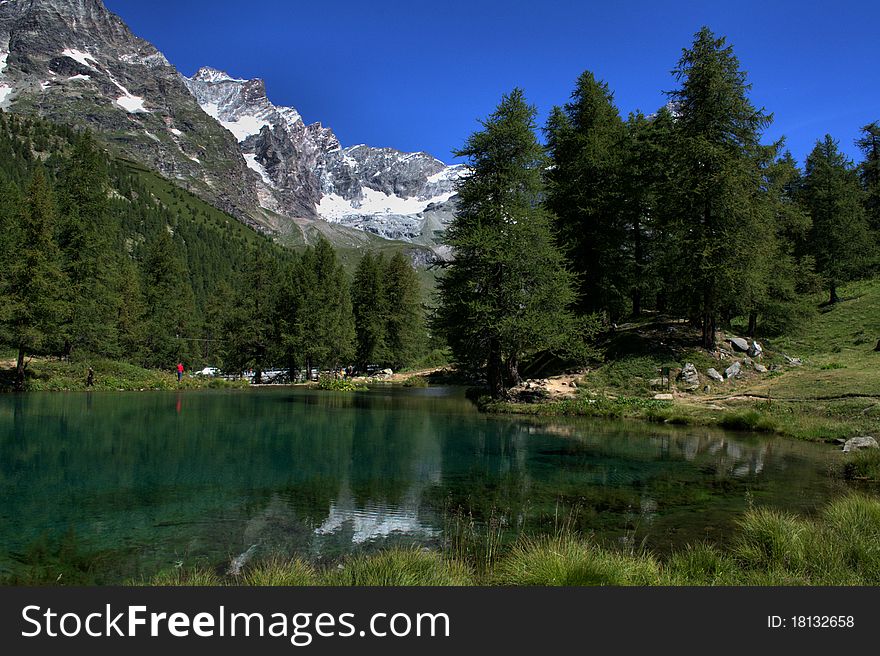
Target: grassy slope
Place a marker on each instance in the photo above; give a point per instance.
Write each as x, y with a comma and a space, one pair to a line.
835, 394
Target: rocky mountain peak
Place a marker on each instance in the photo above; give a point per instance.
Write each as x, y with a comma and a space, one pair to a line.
75, 62
210, 75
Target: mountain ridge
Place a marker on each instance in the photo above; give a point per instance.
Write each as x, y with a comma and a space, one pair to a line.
216, 135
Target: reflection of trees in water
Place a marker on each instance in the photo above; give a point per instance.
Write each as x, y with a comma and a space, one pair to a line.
320, 473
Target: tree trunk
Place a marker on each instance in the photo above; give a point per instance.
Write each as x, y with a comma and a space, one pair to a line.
513, 378
708, 329
753, 324
834, 298
495, 374
639, 260
19, 369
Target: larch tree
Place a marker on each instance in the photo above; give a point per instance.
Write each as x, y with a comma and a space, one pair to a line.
585, 141
840, 239
405, 334
370, 311
718, 209
35, 286
250, 331
507, 293
90, 243
869, 144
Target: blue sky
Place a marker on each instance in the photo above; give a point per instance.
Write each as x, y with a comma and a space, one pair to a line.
417, 76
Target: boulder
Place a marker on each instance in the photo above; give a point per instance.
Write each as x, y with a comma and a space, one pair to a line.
760, 368
689, 377
733, 371
794, 362
663, 397
756, 350
858, 443
387, 372
739, 344
712, 373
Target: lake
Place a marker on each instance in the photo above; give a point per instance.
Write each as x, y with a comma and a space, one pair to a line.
111, 487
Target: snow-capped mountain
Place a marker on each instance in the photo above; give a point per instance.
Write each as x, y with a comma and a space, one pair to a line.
304, 171
75, 62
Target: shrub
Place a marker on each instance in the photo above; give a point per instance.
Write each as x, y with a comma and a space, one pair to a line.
279, 572
405, 567
333, 384
567, 561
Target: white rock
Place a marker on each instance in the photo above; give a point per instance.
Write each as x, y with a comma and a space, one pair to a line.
858, 443
733, 371
739, 344
712, 373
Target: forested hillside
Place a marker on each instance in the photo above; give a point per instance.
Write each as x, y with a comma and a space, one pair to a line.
107, 259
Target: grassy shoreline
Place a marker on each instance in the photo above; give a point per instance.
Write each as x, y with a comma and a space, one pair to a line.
794, 419
840, 546
808, 419
48, 375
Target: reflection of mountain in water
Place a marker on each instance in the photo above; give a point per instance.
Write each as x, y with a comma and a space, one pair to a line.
320, 475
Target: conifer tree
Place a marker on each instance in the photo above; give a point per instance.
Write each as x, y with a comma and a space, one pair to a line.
840, 237
35, 286
585, 141
370, 310
251, 328
90, 243
130, 328
717, 209
317, 319
869, 143
646, 165
507, 292
778, 299
405, 334
170, 302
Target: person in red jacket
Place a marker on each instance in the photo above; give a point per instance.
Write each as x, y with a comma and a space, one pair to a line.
179, 371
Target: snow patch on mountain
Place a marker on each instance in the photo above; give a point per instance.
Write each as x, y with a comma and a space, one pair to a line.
242, 127
304, 171
79, 56
251, 160
334, 208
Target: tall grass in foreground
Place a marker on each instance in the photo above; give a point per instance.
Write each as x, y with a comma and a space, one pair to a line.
840, 546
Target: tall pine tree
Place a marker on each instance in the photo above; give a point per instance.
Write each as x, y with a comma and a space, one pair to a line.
169, 298
250, 331
840, 238
316, 314
91, 245
35, 286
585, 141
405, 334
717, 209
507, 293
370, 311
869, 143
